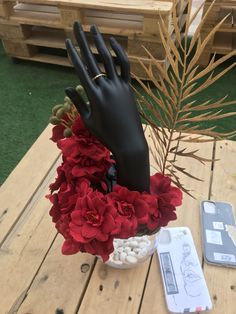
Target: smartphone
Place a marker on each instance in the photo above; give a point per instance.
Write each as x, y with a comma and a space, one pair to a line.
184, 283
218, 233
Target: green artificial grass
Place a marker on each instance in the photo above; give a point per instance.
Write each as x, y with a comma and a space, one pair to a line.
28, 91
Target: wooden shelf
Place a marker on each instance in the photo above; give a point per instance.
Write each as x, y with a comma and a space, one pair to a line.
224, 43
224, 39
53, 38
46, 58
29, 27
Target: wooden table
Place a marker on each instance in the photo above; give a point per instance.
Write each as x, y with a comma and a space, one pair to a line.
36, 278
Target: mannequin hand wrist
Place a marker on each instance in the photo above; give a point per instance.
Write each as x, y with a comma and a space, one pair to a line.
133, 169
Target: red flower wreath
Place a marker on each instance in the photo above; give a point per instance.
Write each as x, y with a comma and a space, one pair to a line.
85, 213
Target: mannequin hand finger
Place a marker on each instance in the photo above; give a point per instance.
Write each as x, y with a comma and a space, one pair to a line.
104, 52
124, 61
86, 81
85, 50
78, 101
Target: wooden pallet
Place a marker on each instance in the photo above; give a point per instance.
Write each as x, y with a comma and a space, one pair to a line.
28, 28
224, 40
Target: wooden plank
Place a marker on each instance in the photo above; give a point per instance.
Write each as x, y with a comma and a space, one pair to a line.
47, 58
213, 16
18, 188
6, 8
69, 15
151, 24
36, 8
135, 48
234, 41
37, 18
53, 38
225, 10
135, 6
188, 215
25, 248
19, 48
15, 32
234, 17
222, 280
60, 283
114, 290
227, 30
223, 43
108, 21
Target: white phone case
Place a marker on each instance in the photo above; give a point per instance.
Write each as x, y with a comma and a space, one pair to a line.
184, 283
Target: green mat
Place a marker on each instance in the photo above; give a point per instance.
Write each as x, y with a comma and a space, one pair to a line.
29, 90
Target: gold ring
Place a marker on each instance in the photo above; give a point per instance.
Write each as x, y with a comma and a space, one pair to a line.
97, 76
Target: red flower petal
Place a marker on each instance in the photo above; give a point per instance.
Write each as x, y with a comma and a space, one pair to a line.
89, 231
70, 247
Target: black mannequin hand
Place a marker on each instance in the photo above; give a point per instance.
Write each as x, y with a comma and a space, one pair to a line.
112, 115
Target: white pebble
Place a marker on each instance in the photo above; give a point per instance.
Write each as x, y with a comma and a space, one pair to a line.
119, 242
117, 262
120, 249
131, 253
136, 250
111, 257
131, 259
143, 252
141, 258
123, 256
116, 256
127, 249
133, 244
142, 244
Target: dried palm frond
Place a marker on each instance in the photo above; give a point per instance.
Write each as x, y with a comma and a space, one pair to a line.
170, 106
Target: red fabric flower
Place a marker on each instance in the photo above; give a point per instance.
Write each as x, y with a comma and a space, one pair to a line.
57, 133
62, 225
64, 200
84, 155
59, 180
79, 128
87, 144
93, 218
103, 249
58, 130
167, 213
71, 247
160, 185
88, 167
154, 215
54, 212
132, 209
168, 197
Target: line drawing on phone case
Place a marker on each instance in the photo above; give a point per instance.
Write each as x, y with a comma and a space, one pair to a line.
190, 273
